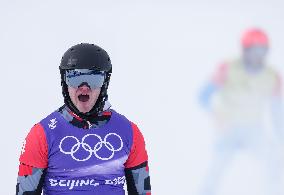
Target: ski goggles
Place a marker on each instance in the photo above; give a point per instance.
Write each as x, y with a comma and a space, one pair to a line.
256, 51
76, 77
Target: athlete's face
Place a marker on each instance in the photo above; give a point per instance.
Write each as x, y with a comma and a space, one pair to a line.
255, 55
83, 97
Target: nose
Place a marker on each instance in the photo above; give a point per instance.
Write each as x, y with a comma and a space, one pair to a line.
84, 86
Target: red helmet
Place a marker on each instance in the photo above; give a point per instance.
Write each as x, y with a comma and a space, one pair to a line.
254, 36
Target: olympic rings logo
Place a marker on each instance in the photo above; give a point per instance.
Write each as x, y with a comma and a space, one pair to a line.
101, 142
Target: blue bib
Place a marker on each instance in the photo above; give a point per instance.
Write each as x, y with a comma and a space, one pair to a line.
86, 161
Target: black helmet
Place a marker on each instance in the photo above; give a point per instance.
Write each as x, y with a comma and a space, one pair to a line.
86, 56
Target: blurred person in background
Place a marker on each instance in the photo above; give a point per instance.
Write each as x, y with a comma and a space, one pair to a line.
240, 95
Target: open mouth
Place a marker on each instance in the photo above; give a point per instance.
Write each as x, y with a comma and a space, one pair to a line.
83, 97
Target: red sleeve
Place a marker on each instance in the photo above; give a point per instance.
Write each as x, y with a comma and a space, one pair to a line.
138, 153
25, 170
220, 76
34, 151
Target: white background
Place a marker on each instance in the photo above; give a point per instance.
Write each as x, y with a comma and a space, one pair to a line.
162, 54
